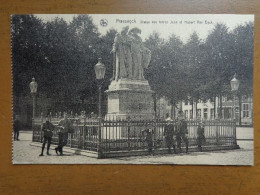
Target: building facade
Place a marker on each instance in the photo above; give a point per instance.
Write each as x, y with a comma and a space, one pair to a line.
206, 110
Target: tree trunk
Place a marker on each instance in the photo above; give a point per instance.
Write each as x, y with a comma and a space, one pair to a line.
196, 109
180, 106
159, 108
240, 105
172, 108
214, 107
155, 105
191, 109
174, 111
220, 106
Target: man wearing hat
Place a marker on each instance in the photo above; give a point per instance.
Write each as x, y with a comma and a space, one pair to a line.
65, 127
181, 131
200, 135
148, 133
169, 134
16, 128
47, 129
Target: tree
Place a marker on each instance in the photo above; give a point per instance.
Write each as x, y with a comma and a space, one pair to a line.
154, 73
165, 72
86, 38
217, 60
242, 59
193, 63
62, 56
242, 51
27, 53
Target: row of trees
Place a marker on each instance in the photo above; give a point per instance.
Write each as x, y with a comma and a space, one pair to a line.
62, 56
202, 69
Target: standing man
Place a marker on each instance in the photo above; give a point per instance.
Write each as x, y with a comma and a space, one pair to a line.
169, 134
16, 128
148, 133
181, 131
47, 128
65, 126
201, 137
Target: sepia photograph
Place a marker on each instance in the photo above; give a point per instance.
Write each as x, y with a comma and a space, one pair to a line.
133, 89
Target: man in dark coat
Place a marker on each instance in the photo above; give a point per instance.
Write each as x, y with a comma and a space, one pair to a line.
148, 133
200, 136
47, 129
169, 134
16, 128
65, 127
181, 131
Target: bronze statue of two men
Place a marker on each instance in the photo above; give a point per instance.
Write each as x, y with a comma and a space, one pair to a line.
130, 55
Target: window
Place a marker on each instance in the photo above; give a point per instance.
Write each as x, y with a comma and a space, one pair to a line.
186, 113
245, 110
229, 98
212, 113
205, 113
191, 114
198, 113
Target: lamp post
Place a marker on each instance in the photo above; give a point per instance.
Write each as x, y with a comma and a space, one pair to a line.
234, 88
33, 87
100, 73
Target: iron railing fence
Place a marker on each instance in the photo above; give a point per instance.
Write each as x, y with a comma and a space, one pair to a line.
111, 135
129, 135
84, 136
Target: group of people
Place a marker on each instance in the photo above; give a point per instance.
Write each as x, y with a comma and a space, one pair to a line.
175, 133
65, 127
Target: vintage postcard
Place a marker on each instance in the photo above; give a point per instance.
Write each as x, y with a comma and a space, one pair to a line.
133, 89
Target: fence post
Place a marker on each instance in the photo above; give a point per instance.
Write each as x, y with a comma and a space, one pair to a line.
217, 133
84, 134
234, 133
154, 135
128, 133
41, 127
99, 150
33, 131
70, 138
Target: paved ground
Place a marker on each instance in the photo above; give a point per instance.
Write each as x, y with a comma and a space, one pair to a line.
23, 153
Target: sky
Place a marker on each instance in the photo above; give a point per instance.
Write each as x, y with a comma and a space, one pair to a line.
182, 25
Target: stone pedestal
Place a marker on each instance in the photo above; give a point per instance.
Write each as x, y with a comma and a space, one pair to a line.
130, 98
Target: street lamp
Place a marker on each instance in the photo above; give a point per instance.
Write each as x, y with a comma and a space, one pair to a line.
33, 87
100, 70
234, 88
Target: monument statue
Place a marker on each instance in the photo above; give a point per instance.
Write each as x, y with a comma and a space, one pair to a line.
129, 94
122, 55
130, 55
